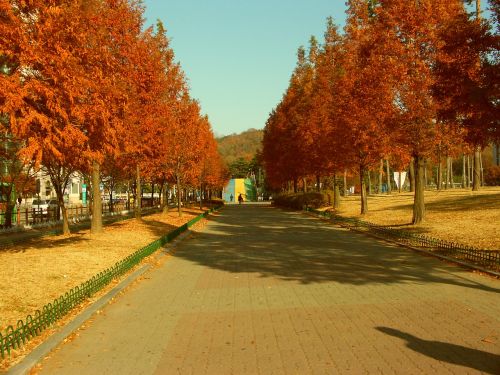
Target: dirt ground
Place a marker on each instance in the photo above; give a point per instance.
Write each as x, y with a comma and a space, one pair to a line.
462, 216
38, 271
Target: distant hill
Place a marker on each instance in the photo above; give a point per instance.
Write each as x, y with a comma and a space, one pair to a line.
245, 145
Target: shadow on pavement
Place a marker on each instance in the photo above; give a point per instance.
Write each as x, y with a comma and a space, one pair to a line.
294, 247
442, 351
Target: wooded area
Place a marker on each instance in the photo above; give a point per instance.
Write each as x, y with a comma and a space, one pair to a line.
84, 86
408, 84
242, 152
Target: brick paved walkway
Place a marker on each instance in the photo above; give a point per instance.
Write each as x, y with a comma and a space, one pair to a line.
262, 291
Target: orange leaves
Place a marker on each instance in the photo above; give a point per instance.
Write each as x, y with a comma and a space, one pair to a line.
404, 76
82, 81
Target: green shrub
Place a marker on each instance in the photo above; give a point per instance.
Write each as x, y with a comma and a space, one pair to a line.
298, 201
217, 201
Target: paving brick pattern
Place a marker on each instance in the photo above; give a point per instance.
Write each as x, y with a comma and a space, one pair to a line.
263, 291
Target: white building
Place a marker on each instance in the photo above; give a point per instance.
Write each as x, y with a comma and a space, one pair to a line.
72, 194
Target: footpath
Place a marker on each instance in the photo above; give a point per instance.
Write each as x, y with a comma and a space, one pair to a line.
265, 291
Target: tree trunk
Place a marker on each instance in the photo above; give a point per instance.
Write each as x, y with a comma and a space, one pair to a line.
380, 175
90, 197
476, 182
304, 182
369, 182
448, 172
389, 187
439, 177
138, 193
201, 200
336, 193
464, 184
400, 182
62, 206
345, 183
451, 173
152, 194
364, 200
178, 182
418, 201
412, 175
468, 171
8, 213
165, 199
481, 168
295, 185
425, 173
9, 207
127, 206
96, 223
318, 183
111, 188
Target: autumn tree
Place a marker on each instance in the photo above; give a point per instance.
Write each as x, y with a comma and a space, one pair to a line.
180, 155
364, 100
411, 32
329, 148
16, 174
292, 159
209, 159
108, 91
466, 84
70, 94
40, 108
272, 150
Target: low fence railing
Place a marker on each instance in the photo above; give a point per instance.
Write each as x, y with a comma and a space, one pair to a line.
486, 258
34, 325
32, 215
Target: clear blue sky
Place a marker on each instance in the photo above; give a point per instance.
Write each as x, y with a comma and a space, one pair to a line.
239, 54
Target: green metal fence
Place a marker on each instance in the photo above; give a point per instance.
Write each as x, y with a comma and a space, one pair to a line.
33, 325
486, 258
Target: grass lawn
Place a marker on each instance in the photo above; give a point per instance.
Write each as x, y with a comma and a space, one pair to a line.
40, 270
462, 216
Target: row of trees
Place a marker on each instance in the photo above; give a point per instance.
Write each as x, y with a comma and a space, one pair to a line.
407, 80
85, 87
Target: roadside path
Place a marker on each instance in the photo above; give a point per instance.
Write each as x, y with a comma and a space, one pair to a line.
264, 291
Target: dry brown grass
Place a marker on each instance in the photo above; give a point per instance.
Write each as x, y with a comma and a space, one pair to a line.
36, 272
462, 216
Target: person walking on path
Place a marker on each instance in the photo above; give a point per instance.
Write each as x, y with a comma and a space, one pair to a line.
231, 198
240, 199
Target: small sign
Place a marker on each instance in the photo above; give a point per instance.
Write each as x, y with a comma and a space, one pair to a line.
84, 194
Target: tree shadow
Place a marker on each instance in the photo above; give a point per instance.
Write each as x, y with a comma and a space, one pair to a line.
294, 247
40, 240
451, 353
461, 203
18, 242
159, 228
